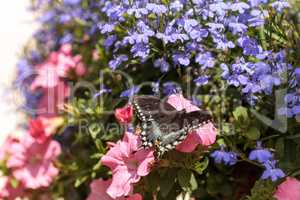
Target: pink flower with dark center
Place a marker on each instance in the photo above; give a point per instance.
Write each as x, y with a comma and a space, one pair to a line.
32, 163
99, 188
128, 164
205, 135
288, 190
124, 115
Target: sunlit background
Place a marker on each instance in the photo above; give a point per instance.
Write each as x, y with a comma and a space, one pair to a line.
17, 25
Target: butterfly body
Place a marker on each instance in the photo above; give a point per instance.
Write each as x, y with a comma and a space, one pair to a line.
162, 126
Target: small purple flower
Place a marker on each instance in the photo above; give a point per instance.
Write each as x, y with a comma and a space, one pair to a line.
254, 3
171, 88
280, 5
140, 50
237, 28
226, 157
162, 64
72, 2
130, 92
206, 60
156, 8
102, 91
250, 46
107, 28
114, 64
272, 172
109, 41
201, 80
260, 154
138, 12
181, 59
239, 6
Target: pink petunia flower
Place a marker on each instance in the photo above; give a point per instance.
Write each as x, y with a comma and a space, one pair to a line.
7, 191
288, 190
53, 100
205, 135
41, 128
124, 115
5, 148
128, 164
32, 162
58, 65
98, 192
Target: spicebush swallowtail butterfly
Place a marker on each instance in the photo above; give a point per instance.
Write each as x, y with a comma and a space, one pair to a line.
162, 126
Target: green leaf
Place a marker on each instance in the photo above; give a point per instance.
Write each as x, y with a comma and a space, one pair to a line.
94, 130
100, 146
262, 190
253, 133
80, 180
240, 113
167, 182
200, 166
187, 180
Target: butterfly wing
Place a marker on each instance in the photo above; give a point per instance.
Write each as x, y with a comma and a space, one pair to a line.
145, 106
162, 125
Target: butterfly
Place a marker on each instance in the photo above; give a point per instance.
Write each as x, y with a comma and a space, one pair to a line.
162, 126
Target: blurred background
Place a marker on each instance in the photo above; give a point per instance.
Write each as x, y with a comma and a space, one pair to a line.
17, 25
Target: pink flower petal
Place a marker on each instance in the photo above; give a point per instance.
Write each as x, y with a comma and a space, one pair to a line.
288, 190
121, 183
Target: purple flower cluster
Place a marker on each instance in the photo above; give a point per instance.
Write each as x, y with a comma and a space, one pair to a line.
265, 157
194, 34
226, 157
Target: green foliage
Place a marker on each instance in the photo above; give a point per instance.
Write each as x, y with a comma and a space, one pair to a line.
262, 190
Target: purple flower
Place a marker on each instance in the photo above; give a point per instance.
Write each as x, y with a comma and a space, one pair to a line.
171, 88
239, 6
114, 64
156, 8
140, 50
220, 8
72, 2
176, 6
201, 80
109, 41
130, 92
102, 91
254, 3
250, 46
162, 64
236, 28
138, 12
181, 59
280, 5
205, 60
260, 154
107, 28
221, 156
272, 172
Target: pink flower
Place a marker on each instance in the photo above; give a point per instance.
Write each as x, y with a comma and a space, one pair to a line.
32, 162
128, 164
288, 190
58, 65
205, 135
98, 192
41, 128
7, 191
124, 115
5, 148
53, 100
